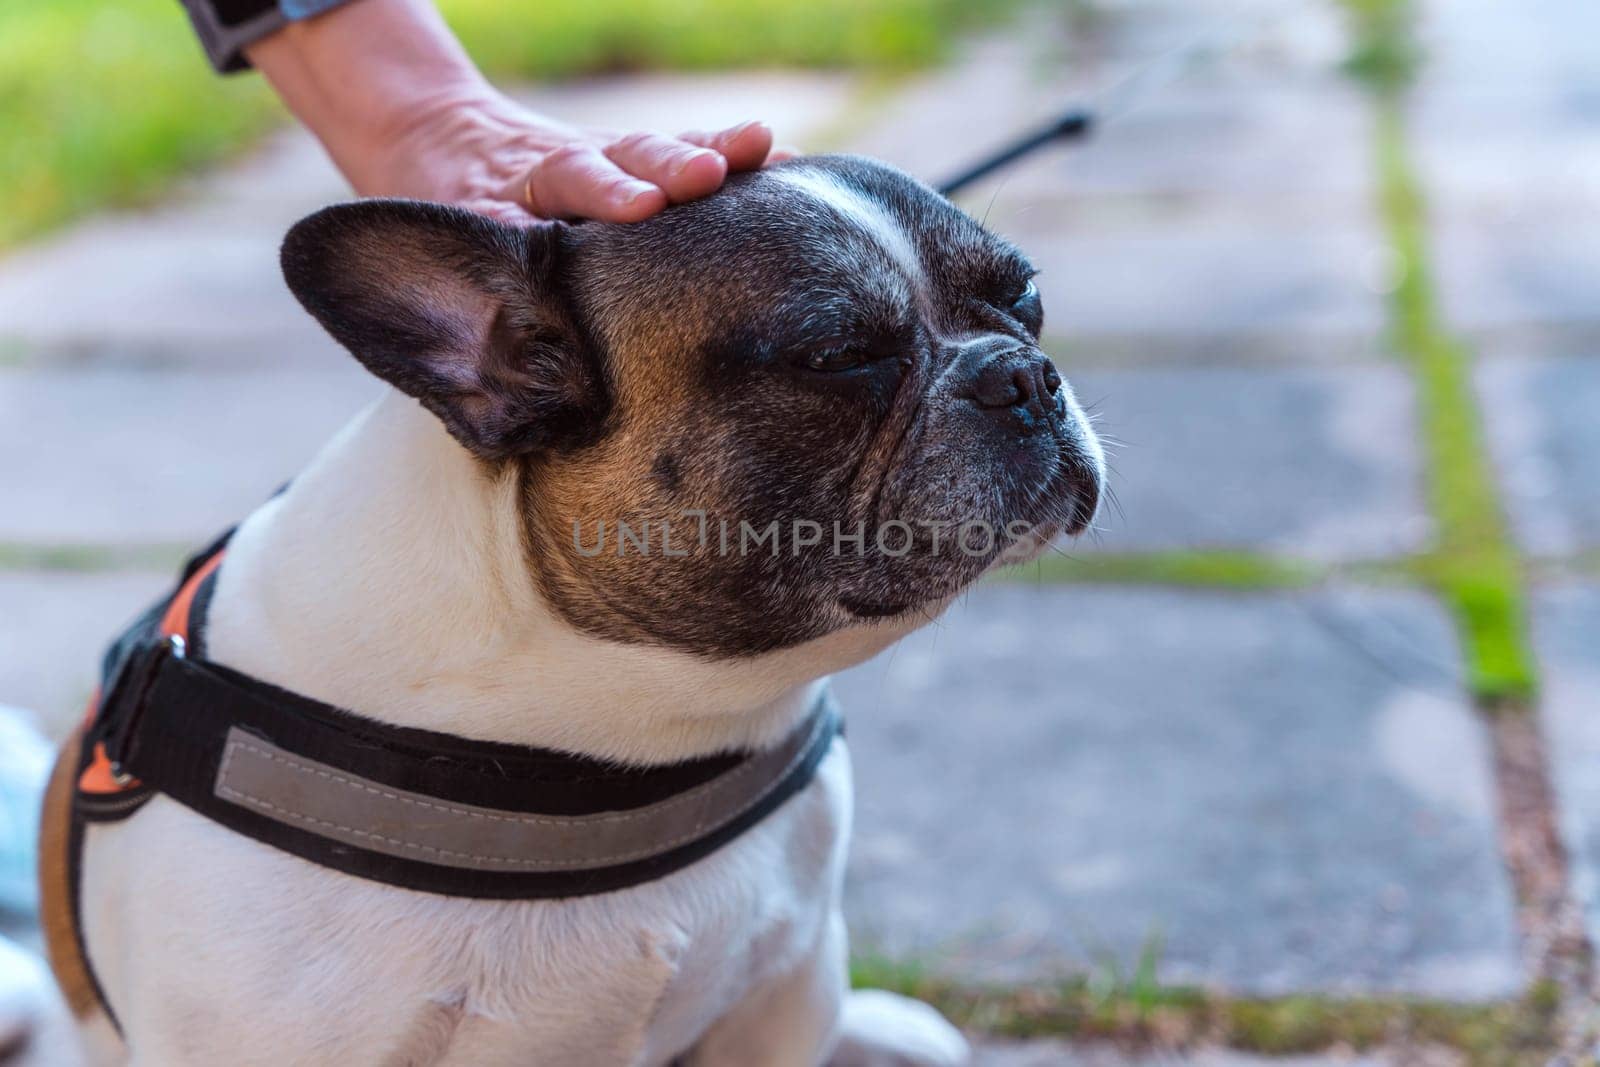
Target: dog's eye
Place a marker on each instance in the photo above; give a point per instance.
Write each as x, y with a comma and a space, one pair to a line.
1027, 307
836, 359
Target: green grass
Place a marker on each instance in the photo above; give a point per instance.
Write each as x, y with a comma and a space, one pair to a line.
1138, 1011
1207, 570
1475, 565
1384, 54
91, 558
567, 37
1488, 1035
103, 102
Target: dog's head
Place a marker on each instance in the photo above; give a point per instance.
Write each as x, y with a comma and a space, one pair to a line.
812, 402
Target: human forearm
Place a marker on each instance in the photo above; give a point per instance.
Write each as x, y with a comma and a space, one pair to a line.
404, 112
361, 74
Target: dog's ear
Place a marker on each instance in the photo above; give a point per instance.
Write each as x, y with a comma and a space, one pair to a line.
469, 316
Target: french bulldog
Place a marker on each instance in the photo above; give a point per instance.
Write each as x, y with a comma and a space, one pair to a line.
826, 348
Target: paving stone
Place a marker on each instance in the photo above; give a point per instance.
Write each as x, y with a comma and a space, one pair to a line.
1210, 100
1546, 445
1283, 791
1567, 634
1492, 48
131, 290
1507, 133
1049, 1053
194, 280
1224, 141
1175, 288
1311, 462
54, 627
197, 280
1250, 152
1528, 264
109, 455
1169, 55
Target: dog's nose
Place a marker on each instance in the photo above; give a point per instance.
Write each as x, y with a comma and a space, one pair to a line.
1018, 378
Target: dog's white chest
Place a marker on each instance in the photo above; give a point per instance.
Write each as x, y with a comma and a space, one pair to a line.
630, 978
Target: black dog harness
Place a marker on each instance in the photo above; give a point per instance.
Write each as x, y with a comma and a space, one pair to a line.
412, 808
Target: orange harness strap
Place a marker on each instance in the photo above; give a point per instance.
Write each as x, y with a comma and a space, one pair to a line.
100, 777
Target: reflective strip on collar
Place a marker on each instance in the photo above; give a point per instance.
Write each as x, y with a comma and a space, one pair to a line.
311, 796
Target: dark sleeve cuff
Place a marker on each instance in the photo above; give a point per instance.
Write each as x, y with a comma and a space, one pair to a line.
225, 27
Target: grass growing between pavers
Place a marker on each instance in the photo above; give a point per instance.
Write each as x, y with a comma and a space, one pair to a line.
1204, 570
1475, 565
103, 102
88, 559
1384, 55
1140, 1013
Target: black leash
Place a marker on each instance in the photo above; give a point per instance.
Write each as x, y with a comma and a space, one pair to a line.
1072, 126
1106, 105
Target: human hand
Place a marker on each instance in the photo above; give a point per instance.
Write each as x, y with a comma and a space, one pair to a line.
486, 153
403, 112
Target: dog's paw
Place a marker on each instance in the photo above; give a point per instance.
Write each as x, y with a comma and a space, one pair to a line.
879, 1029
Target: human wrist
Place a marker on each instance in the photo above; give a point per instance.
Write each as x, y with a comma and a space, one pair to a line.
367, 74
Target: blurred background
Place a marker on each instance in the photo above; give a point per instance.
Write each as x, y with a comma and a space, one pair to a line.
1298, 754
